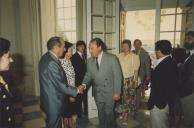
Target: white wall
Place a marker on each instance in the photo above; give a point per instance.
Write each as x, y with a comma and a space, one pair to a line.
8, 22
19, 23
47, 10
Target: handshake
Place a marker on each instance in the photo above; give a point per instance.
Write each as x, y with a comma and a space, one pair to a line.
81, 89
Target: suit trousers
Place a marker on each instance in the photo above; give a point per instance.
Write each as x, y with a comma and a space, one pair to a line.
106, 114
187, 105
53, 120
159, 117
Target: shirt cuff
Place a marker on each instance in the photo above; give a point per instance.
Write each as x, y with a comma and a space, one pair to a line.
84, 86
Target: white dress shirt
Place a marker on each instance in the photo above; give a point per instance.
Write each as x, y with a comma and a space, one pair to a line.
100, 58
80, 54
54, 54
160, 60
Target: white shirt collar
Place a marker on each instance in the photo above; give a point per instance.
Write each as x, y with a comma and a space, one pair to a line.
160, 60
100, 57
53, 54
192, 52
80, 53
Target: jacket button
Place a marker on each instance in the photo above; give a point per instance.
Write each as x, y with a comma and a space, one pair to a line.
4, 96
7, 108
9, 119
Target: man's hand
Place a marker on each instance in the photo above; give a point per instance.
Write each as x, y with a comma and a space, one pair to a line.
146, 83
116, 97
80, 89
72, 99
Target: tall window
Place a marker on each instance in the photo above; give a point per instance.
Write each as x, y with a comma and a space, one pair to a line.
66, 19
141, 25
174, 22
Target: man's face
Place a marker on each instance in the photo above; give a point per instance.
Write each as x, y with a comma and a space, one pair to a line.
137, 45
94, 50
189, 42
81, 48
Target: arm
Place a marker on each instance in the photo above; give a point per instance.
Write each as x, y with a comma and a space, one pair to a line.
147, 66
88, 76
117, 76
58, 81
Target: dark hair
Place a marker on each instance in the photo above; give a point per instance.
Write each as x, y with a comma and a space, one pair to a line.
137, 40
190, 33
4, 46
99, 43
67, 46
80, 42
164, 46
53, 41
128, 42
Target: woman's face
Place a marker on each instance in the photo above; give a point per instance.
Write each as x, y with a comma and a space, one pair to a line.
125, 48
69, 53
5, 61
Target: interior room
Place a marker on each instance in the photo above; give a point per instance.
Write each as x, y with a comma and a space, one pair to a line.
29, 24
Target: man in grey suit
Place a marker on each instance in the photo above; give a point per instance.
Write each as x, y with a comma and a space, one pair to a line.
103, 70
144, 69
53, 83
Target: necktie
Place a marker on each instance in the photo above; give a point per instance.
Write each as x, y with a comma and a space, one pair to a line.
97, 65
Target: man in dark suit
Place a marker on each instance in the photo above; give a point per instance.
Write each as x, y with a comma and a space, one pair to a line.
79, 64
53, 83
187, 82
104, 70
163, 82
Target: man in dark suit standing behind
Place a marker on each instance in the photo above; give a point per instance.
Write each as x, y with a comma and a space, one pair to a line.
79, 63
186, 91
163, 85
53, 83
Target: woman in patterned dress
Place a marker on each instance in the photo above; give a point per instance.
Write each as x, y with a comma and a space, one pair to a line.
70, 103
6, 104
129, 64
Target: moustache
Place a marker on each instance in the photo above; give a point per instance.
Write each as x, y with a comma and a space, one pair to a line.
188, 45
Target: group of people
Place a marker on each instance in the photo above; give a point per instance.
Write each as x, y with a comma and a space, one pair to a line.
121, 79
172, 85
61, 74
136, 70
65, 78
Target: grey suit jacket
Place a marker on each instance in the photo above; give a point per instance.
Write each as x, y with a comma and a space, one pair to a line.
108, 80
145, 65
53, 84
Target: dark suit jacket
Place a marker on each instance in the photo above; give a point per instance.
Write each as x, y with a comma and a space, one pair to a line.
187, 77
163, 84
53, 85
6, 108
79, 65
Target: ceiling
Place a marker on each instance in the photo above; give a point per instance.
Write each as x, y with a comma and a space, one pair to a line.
129, 5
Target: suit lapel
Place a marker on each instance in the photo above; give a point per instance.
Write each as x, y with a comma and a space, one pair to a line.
102, 63
161, 63
81, 59
59, 63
